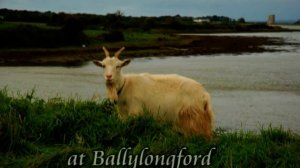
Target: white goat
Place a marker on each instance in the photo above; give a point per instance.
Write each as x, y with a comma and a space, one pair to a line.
173, 98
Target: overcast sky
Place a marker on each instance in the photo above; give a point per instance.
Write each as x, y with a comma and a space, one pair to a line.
251, 10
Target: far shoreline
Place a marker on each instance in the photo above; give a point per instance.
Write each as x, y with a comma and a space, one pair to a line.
183, 45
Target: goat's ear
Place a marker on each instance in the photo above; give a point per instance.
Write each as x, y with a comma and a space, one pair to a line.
125, 62
98, 63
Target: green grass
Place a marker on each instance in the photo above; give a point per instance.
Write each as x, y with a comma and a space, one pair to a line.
12, 25
135, 38
145, 36
92, 33
39, 133
7, 25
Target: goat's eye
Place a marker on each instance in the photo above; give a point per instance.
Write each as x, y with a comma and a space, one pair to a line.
103, 66
118, 66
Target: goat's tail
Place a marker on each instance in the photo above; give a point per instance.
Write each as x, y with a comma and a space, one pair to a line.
197, 119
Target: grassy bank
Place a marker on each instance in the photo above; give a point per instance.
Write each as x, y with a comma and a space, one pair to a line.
39, 133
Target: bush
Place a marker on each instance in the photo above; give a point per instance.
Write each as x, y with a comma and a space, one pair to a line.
28, 36
113, 36
73, 31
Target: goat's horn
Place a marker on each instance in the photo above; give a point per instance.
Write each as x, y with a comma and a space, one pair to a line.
117, 54
105, 51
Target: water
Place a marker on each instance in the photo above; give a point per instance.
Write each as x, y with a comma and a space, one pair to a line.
248, 91
289, 26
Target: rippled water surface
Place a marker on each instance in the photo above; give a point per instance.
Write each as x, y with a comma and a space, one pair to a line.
248, 90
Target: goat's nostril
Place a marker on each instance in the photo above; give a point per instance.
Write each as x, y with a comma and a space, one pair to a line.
108, 76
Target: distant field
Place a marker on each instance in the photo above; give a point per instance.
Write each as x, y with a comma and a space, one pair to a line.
11, 25
93, 33
133, 36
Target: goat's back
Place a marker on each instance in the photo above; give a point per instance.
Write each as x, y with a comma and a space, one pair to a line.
163, 93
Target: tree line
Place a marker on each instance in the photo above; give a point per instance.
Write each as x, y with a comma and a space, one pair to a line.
108, 21
71, 27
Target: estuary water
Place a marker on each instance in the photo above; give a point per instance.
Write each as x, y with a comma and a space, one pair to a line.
249, 91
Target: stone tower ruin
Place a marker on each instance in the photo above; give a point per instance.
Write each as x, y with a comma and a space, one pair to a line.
271, 20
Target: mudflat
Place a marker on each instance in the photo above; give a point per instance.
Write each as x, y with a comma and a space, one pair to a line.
181, 45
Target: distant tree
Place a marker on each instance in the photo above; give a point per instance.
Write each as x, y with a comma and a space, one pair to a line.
73, 31
241, 20
114, 20
1, 19
147, 23
115, 25
215, 18
119, 13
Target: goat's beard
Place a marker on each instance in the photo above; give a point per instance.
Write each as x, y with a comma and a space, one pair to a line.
112, 92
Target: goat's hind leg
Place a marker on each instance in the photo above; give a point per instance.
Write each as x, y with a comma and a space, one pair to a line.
194, 122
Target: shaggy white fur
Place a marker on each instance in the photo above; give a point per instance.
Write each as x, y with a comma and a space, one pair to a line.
177, 99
